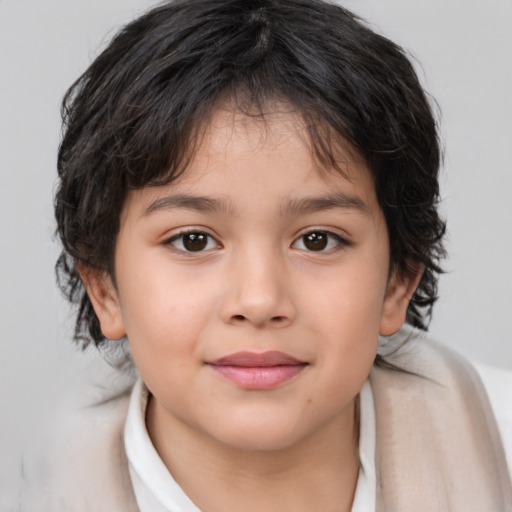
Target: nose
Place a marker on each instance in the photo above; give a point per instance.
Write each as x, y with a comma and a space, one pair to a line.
258, 292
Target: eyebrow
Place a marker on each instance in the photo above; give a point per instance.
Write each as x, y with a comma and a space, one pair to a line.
325, 202
190, 202
291, 207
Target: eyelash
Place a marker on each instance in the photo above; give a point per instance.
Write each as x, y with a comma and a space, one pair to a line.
314, 236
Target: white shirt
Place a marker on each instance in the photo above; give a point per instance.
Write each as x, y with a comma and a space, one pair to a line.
157, 491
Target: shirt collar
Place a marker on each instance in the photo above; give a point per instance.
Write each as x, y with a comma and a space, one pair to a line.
157, 491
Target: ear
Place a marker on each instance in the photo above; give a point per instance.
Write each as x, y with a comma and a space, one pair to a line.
401, 288
105, 301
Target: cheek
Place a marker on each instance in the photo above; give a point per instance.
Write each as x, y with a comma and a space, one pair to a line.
345, 300
344, 312
164, 312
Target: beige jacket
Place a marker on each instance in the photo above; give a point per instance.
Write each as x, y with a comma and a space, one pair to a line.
438, 447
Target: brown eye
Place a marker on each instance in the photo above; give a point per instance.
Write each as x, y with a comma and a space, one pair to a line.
316, 241
194, 241
319, 241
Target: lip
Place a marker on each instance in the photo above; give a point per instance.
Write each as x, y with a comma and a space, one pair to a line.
251, 370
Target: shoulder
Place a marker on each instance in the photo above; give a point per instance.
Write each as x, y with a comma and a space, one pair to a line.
498, 385
84, 466
430, 364
433, 371
435, 425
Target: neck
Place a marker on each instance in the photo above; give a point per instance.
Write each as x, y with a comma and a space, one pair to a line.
316, 473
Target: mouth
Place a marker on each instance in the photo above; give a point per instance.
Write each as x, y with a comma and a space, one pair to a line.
250, 370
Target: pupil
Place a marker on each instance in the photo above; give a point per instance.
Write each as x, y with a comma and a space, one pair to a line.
315, 241
195, 241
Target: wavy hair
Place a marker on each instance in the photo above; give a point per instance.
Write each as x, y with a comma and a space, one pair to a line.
134, 117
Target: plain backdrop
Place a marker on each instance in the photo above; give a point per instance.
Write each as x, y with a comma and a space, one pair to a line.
463, 52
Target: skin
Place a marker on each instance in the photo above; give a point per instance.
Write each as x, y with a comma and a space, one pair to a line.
255, 286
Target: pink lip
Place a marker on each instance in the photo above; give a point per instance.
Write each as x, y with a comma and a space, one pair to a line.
251, 370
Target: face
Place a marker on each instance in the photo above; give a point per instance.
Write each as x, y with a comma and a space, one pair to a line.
253, 289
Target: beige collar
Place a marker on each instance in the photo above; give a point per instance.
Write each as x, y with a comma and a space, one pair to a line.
438, 447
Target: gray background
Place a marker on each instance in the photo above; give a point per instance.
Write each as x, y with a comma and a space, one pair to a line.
465, 50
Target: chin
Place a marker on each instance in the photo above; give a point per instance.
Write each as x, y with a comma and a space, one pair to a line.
263, 434
260, 442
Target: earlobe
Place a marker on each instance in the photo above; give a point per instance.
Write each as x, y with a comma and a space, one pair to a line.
104, 298
401, 288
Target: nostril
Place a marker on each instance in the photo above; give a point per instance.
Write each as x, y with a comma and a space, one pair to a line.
278, 319
239, 318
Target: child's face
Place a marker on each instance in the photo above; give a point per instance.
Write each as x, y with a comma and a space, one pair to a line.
277, 257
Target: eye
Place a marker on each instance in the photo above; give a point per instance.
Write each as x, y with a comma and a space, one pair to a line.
318, 241
193, 241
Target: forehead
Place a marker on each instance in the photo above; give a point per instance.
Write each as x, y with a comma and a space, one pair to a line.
281, 128
272, 155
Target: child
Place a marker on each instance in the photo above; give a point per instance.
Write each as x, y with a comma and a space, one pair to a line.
248, 194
